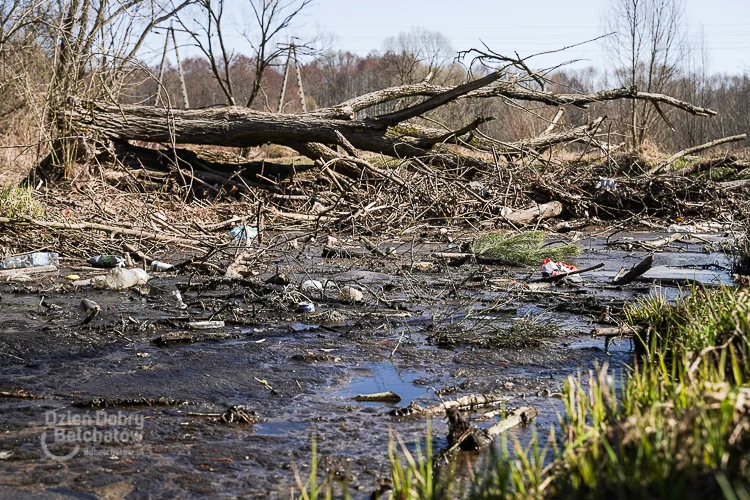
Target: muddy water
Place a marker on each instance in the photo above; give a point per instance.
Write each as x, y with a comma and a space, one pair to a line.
298, 372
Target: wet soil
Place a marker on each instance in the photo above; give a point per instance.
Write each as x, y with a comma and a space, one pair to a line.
297, 371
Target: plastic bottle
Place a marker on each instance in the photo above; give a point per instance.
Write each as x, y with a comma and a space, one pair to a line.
160, 266
120, 278
31, 260
243, 233
107, 261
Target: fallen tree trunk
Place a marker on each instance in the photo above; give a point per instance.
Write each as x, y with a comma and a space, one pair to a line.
309, 133
229, 126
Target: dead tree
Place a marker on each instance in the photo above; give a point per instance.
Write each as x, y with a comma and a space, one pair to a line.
313, 133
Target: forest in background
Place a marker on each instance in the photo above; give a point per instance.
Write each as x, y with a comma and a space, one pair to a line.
51, 50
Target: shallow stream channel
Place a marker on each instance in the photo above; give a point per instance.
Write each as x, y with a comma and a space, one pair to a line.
135, 404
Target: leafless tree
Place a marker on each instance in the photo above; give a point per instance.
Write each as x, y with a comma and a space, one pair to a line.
648, 45
414, 54
95, 47
272, 18
208, 36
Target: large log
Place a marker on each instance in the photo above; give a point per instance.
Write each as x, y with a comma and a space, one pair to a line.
231, 126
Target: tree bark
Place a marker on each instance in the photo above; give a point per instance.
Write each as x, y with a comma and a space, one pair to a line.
232, 126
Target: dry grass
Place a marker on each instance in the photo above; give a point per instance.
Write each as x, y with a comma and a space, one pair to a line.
18, 130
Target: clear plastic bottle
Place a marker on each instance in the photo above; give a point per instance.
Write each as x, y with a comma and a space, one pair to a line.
120, 278
31, 260
243, 233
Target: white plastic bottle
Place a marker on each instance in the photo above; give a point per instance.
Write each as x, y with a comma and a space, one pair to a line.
120, 278
35, 259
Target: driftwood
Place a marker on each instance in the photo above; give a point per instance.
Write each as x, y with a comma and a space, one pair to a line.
83, 226
27, 270
637, 270
128, 402
616, 331
388, 397
610, 333
171, 338
654, 244
465, 436
540, 212
464, 403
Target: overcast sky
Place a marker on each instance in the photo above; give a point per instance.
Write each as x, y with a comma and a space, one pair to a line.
525, 26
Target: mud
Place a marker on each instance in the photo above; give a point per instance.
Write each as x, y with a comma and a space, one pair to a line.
298, 372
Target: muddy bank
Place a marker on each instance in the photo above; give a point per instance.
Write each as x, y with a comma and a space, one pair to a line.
296, 371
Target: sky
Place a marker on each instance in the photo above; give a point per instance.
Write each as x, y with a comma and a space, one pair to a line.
722, 27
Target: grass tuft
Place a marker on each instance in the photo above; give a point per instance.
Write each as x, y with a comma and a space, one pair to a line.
521, 249
19, 202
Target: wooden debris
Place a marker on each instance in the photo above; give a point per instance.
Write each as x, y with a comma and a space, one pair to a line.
239, 414
522, 415
464, 403
343, 253
387, 397
468, 437
137, 401
537, 213
616, 331
654, 244
205, 325
637, 270
696, 149
27, 270
610, 333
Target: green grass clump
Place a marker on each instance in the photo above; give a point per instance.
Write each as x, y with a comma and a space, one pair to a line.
699, 320
19, 202
521, 248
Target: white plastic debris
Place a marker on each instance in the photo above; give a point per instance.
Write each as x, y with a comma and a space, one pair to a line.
678, 228
351, 294
550, 269
178, 299
160, 266
311, 286
606, 184
120, 278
